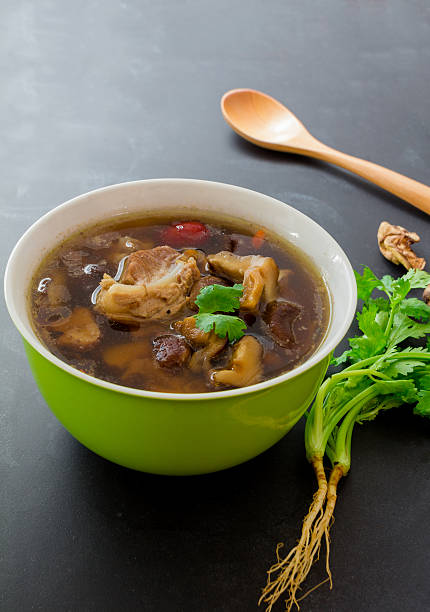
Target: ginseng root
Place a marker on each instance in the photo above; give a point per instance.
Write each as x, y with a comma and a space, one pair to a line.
287, 574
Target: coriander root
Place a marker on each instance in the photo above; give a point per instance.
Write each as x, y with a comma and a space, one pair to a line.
287, 574
324, 526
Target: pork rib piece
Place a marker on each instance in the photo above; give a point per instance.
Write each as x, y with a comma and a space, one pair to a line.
154, 285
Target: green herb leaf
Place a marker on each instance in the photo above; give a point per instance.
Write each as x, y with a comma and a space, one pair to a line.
413, 307
418, 279
386, 284
402, 390
423, 382
216, 298
423, 406
400, 289
401, 367
405, 328
337, 361
381, 303
373, 340
366, 283
223, 325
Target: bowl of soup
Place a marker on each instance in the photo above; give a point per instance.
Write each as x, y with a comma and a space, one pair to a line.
178, 326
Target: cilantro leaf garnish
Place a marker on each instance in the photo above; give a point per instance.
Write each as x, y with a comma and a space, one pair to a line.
223, 325
214, 300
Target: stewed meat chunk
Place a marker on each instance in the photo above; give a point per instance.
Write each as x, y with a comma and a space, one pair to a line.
155, 284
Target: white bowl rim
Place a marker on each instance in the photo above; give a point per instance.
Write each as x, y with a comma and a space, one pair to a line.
322, 351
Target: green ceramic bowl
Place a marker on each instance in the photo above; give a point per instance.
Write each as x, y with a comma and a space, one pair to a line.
167, 433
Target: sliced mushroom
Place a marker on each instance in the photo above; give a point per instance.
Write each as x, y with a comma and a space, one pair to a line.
246, 366
74, 261
206, 345
426, 295
199, 256
87, 366
125, 245
58, 294
131, 358
78, 331
53, 316
203, 282
55, 288
134, 372
258, 274
284, 279
395, 245
280, 317
121, 355
101, 241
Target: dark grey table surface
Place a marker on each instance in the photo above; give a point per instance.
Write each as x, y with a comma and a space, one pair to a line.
94, 93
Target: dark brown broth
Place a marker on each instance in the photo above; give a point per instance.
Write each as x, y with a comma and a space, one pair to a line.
95, 251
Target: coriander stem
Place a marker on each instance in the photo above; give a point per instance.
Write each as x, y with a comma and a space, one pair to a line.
390, 322
341, 412
318, 431
350, 418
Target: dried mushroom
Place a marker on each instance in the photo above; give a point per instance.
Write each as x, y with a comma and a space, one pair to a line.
246, 366
78, 331
199, 256
131, 358
170, 351
280, 317
206, 345
127, 245
258, 274
121, 355
395, 244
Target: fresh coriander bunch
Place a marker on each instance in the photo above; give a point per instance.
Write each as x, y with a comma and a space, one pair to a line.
385, 372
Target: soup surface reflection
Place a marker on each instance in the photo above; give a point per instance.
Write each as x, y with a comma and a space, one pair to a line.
118, 303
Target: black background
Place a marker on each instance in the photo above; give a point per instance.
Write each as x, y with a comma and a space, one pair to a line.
94, 93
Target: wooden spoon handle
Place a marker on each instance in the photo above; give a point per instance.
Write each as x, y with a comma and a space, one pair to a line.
412, 191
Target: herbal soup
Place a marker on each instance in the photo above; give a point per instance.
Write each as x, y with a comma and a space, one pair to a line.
180, 307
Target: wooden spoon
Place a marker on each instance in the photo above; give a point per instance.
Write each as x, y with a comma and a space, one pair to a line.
269, 124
